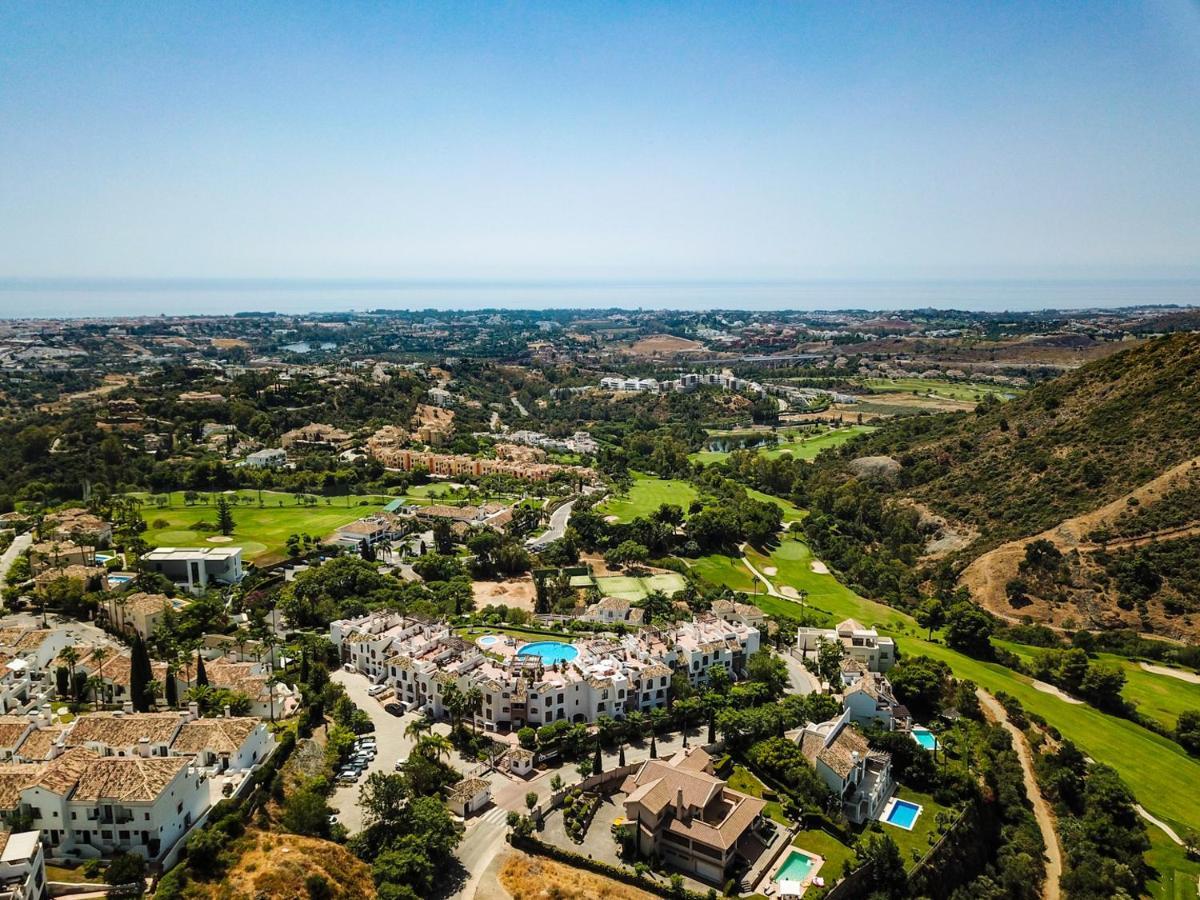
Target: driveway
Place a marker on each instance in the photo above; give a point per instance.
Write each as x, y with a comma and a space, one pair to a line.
557, 527
20, 543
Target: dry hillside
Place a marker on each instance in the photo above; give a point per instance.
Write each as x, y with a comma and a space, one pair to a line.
278, 866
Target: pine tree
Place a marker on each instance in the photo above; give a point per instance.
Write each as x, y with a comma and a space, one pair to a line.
224, 516
140, 675
201, 675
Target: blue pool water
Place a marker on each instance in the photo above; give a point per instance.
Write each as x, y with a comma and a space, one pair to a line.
119, 579
925, 738
103, 557
487, 640
551, 652
903, 814
795, 868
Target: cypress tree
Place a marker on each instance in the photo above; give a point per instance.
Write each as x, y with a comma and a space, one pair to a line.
201, 675
172, 690
598, 761
140, 675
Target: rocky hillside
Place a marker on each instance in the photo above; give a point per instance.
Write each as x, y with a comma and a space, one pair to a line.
1105, 453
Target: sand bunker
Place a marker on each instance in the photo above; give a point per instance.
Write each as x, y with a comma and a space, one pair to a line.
612, 520
819, 567
1061, 695
219, 539
788, 591
770, 571
1181, 674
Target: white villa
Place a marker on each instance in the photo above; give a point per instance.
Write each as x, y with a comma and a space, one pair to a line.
193, 568
877, 653
861, 777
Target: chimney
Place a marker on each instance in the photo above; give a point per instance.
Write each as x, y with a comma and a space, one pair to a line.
854, 757
143, 747
194, 710
127, 706
227, 713
679, 802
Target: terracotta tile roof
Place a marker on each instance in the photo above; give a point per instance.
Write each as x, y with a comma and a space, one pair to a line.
128, 777
15, 777
61, 774
40, 743
12, 728
214, 735
469, 788
839, 755
124, 730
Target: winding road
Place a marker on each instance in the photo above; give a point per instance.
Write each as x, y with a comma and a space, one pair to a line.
1041, 809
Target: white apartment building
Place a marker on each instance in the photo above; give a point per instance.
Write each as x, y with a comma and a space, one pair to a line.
611, 676
861, 777
194, 568
866, 645
22, 866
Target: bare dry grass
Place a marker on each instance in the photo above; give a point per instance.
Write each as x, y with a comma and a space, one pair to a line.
279, 865
537, 878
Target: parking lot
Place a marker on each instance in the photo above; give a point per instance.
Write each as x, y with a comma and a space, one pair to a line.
389, 737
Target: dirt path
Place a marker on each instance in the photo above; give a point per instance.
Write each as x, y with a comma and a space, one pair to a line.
1166, 534
987, 575
1041, 809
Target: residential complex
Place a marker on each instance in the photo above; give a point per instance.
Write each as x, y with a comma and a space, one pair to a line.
603, 676
682, 384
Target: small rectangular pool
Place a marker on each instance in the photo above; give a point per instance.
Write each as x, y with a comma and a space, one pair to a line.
925, 738
902, 814
796, 867
119, 579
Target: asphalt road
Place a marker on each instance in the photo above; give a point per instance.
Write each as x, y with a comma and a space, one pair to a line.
557, 527
20, 543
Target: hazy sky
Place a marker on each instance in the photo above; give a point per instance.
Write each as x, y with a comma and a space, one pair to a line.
599, 140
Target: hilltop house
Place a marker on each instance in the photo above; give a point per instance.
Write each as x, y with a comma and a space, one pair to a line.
859, 776
877, 653
194, 568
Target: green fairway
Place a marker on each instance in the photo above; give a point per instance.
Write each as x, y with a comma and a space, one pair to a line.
809, 447
791, 512
718, 568
1174, 875
261, 532
799, 445
1159, 697
953, 390
646, 495
1153, 766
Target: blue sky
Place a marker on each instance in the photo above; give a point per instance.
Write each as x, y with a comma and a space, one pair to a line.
658, 140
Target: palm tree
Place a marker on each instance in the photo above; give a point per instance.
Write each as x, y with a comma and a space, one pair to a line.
417, 727
70, 656
95, 684
474, 698
433, 746
100, 654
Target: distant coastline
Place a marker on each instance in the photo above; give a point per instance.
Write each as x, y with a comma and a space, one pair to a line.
64, 298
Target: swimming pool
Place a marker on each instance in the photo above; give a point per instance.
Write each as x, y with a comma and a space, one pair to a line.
925, 738
902, 814
796, 867
551, 652
487, 640
119, 579
103, 557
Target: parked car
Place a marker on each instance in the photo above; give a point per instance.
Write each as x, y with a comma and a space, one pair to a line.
376, 689
394, 708
348, 667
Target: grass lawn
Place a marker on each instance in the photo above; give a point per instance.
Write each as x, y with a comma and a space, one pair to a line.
261, 532
470, 632
646, 495
74, 876
724, 570
742, 779
825, 844
1174, 875
1153, 766
916, 843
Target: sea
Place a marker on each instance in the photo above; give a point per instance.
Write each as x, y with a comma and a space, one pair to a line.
22, 298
